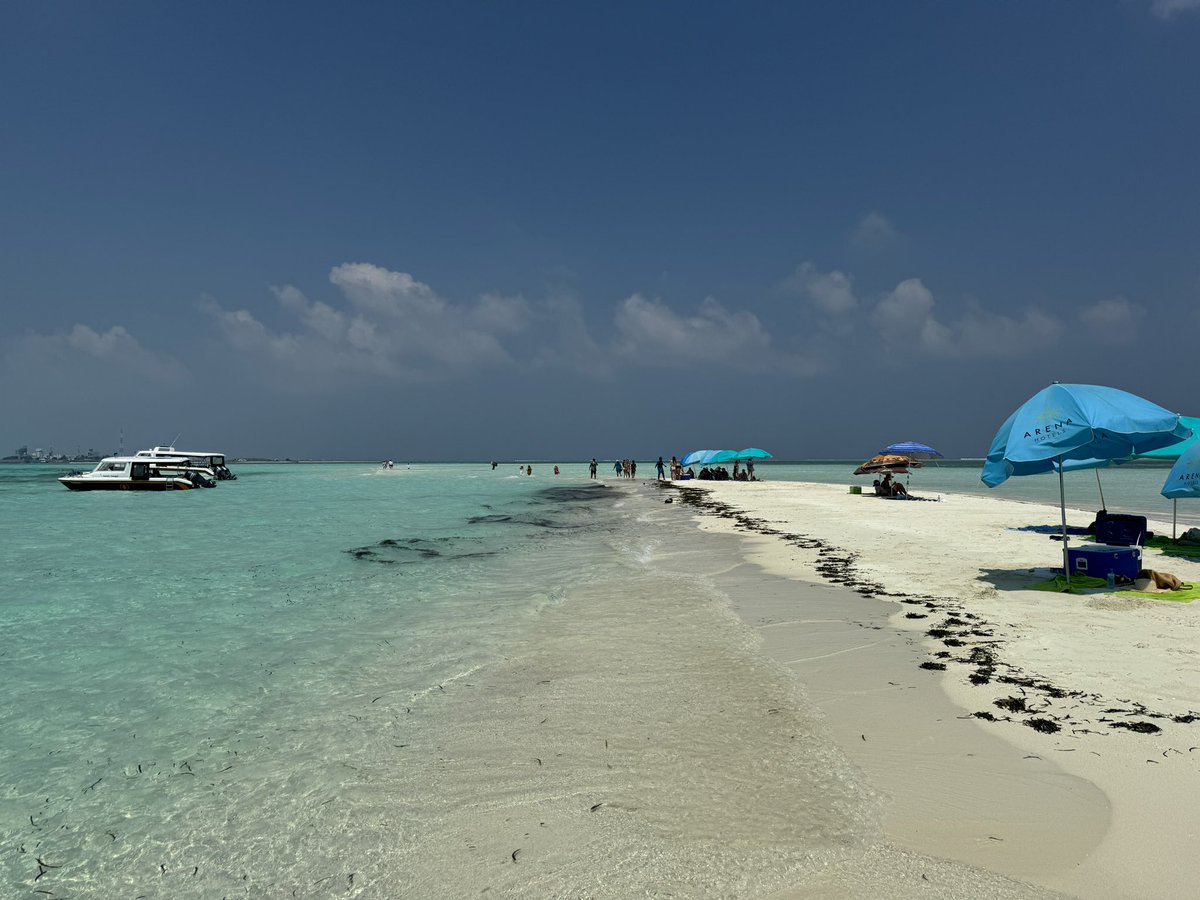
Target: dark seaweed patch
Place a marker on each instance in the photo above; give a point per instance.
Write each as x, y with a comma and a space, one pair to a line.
1045, 726
1139, 727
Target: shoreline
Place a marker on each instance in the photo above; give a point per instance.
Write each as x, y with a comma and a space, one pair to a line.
1071, 675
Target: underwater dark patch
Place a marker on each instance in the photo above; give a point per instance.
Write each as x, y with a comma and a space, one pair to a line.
576, 494
408, 551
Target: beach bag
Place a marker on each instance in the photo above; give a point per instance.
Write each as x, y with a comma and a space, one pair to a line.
1161, 581
1165, 581
1191, 536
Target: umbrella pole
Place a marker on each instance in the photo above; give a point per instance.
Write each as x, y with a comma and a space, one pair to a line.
1103, 505
1062, 505
1174, 516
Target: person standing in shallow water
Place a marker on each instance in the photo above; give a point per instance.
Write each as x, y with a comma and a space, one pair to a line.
592, 468
659, 467
633, 468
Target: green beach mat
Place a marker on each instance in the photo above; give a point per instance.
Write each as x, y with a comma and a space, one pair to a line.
1079, 584
1166, 545
1185, 596
1082, 583
1173, 548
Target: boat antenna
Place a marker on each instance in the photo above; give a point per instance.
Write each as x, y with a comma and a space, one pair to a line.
177, 437
121, 443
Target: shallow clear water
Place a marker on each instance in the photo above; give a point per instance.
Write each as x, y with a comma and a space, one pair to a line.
335, 680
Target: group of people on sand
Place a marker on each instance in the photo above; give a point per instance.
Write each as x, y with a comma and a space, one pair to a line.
720, 473
627, 468
890, 488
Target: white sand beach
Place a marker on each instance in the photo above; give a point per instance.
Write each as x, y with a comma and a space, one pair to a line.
1093, 809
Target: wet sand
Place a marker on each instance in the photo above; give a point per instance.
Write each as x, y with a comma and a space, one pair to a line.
1080, 809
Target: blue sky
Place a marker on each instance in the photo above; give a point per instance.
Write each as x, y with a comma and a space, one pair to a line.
464, 230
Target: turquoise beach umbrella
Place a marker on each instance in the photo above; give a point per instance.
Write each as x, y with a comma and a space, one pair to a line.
1068, 426
1176, 450
753, 453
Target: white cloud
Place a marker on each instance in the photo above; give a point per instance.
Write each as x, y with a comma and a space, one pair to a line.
1113, 321
830, 292
393, 326
246, 333
1168, 9
907, 321
651, 332
317, 317
116, 349
873, 232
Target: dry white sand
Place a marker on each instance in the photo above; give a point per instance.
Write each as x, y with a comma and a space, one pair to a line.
1093, 810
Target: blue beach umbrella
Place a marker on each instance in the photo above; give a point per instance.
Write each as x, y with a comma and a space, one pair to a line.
1175, 451
1067, 426
700, 457
1184, 478
911, 449
753, 453
1183, 481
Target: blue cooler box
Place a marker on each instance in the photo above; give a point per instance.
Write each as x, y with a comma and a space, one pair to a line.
1097, 560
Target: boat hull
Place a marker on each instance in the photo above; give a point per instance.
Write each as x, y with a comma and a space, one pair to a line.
96, 484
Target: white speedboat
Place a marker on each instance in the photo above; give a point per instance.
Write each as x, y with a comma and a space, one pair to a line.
133, 473
211, 464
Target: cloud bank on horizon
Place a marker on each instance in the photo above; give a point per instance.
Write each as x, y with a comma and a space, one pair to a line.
389, 325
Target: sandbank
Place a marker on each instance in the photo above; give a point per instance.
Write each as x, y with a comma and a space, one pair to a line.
1096, 808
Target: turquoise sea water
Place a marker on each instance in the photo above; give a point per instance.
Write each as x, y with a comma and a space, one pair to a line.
175, 663
335, 680
432, 681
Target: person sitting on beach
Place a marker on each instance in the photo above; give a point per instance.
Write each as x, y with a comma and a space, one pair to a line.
878, 488
885, 486
899, 490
